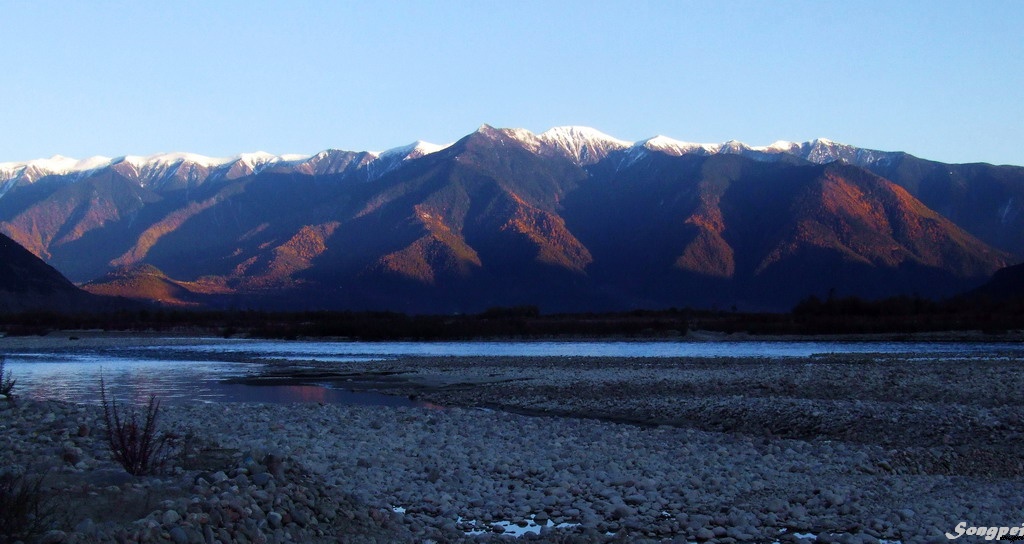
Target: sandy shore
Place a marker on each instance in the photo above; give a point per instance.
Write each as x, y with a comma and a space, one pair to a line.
849, 449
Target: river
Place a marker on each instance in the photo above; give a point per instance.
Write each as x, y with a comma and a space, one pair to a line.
195, 370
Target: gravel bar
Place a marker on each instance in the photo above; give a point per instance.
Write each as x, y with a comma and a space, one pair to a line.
831, 449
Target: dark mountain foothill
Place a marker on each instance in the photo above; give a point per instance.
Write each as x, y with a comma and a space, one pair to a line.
29, 284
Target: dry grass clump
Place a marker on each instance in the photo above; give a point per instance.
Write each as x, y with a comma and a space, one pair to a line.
139, 448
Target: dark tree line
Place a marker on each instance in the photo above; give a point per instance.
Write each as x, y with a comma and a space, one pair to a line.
517, 322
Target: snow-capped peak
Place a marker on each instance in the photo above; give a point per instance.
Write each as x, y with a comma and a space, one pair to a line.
257, 160
417, 149
733, 146
676, 147
781, 146
386, 161
521, 134
585, 145
573, 134
257, 157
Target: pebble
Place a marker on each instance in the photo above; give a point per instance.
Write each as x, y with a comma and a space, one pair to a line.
179, 536
85, 527
53, 537
170, 517
704, 534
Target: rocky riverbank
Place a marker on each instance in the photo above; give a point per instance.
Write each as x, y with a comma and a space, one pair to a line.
845, 449
960, 417
204, 492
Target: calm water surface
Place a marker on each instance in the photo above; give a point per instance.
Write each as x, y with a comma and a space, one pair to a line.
352, 351
179, 371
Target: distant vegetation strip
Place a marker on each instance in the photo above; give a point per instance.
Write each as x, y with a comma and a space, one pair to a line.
520, 322
848, 315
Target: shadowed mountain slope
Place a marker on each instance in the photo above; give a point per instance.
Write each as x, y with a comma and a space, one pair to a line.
1007, 284
29, 284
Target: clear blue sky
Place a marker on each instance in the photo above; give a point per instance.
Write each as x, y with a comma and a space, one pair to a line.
940, 79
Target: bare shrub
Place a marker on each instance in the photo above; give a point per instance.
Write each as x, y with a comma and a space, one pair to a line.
137, 448
25, 511
6, 381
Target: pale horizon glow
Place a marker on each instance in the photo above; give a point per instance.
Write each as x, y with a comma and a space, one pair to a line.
940, 80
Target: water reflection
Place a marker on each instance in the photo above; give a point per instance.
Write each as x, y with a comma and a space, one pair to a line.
307, 393
76, 378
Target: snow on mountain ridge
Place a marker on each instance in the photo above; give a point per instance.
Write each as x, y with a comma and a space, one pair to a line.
167, 159
386, 161
582, 144
57, 164
783, 146
576, 133
60, 165
414, 150
675, 147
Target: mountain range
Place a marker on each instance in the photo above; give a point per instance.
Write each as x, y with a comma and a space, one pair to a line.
569, 220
